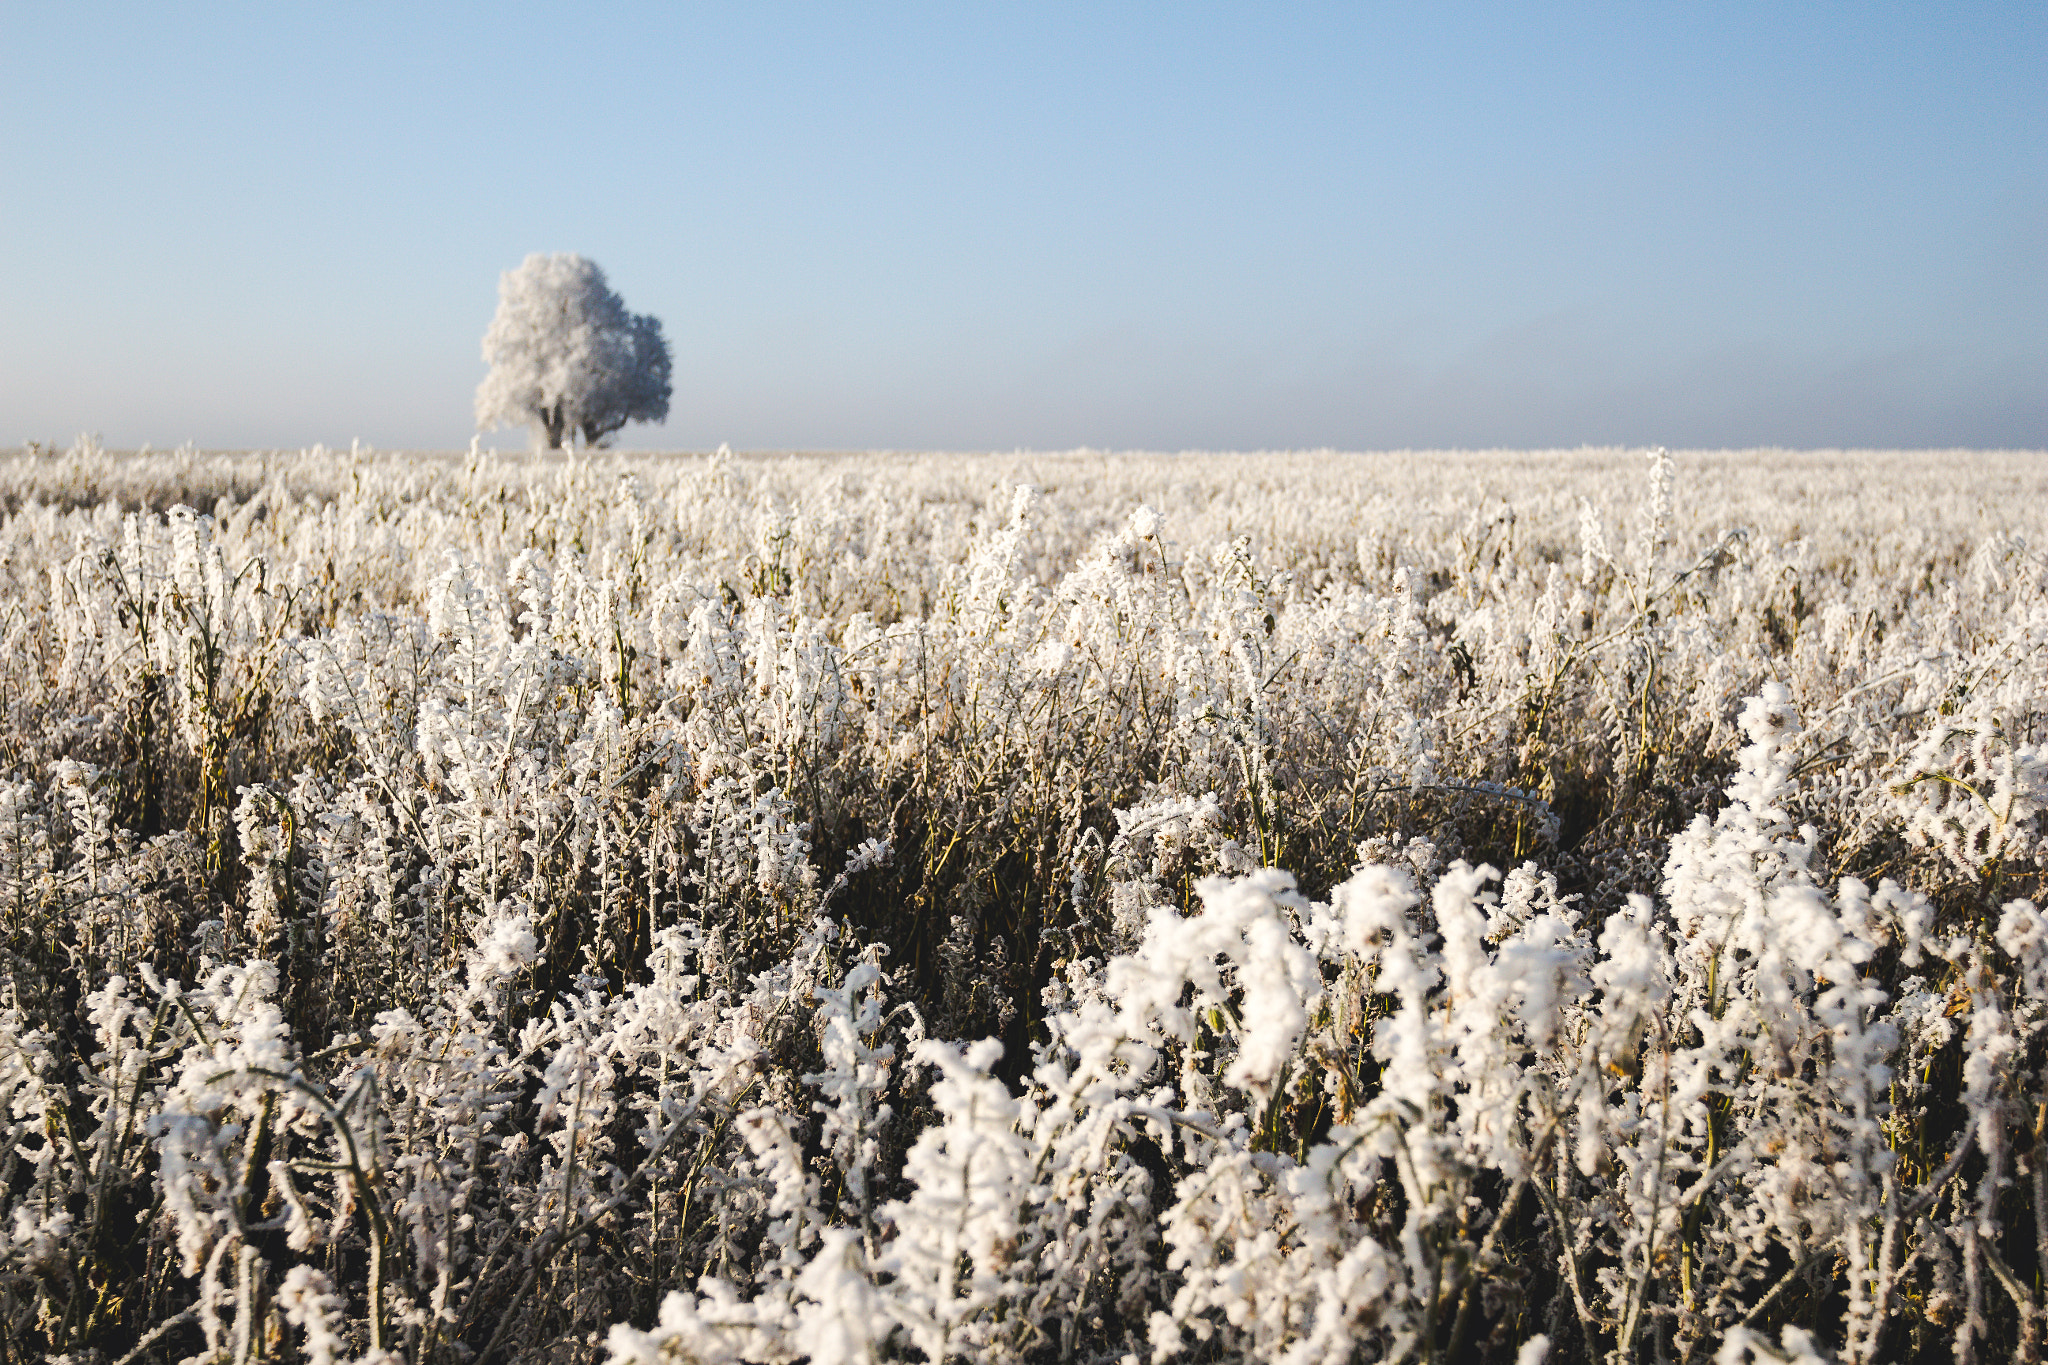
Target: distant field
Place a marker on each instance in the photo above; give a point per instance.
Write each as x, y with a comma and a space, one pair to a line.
1087, 906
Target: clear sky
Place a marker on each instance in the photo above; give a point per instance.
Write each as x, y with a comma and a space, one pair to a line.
974, 225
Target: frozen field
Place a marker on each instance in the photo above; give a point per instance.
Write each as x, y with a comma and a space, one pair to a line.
1300, 908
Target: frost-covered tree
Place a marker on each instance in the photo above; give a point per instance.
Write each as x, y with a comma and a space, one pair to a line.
566, 356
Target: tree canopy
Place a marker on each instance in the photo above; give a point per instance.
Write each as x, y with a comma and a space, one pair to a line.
567, 357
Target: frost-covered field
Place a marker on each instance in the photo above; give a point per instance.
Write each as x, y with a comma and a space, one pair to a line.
1297, 909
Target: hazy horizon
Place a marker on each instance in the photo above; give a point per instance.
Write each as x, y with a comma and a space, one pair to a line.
487, 445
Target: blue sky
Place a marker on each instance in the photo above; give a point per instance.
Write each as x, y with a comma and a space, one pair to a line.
980, 226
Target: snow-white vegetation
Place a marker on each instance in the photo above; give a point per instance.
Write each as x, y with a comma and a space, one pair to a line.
567, 358
1036, 908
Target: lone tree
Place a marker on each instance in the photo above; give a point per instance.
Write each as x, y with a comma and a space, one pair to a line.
566, 356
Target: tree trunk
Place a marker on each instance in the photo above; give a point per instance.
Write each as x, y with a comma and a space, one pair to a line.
552, 421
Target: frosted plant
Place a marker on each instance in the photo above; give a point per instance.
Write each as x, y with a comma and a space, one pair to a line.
265, 842
855, 1076
1743, 1346
1653, 519
1152, 842
444, 904
1969, 791
33, 1245
311, 1305
956, 1233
